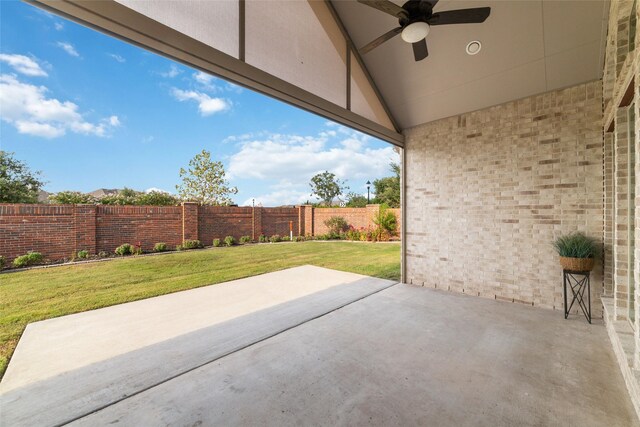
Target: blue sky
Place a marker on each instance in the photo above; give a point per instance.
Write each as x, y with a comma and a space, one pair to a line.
90, 111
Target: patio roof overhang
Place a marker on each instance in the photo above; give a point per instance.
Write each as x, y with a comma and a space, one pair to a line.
306, 53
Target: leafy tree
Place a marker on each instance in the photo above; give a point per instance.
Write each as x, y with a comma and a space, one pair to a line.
18, 184
157, 198
356, 200
387, 189
204, 182
326, 186
72, 198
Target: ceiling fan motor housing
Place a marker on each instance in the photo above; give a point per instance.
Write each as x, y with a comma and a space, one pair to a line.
418, 11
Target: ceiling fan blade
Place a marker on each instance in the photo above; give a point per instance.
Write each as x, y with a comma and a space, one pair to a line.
420, 50
383, 38
386, 6
460, 16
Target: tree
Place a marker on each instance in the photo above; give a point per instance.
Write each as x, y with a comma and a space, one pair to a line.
204, 182
356, 200
326, 186
387, 189
72, 198
18, 184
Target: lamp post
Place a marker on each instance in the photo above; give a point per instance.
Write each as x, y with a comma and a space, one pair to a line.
368, 187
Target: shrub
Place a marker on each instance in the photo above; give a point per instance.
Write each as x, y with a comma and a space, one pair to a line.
217, 242
137, 250
191, 244
83, 254
353, 234
229, 241
385, 221
160, 247
103, 254
262, 239
2, 262
299, 238
336, 225
124, 249
245, 239
71, 198
275, 238
577, 245
31, 258
179, 248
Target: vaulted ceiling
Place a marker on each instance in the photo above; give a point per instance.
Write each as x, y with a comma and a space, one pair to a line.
302, 52
528, 47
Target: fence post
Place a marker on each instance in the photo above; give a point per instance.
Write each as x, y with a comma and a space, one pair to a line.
256, 222
189, 221
84, 225
371, 211
308, 220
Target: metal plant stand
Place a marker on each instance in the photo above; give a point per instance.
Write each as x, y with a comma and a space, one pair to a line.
579, 282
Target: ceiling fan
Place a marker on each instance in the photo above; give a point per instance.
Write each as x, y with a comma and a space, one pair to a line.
416, 17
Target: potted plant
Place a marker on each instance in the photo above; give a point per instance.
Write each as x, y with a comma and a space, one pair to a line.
577, 251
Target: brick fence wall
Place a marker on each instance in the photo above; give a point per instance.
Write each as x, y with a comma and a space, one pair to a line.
59, 231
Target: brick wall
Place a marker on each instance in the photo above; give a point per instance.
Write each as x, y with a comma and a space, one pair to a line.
218, 222
488, 191
59, 231
47, 229
146, 225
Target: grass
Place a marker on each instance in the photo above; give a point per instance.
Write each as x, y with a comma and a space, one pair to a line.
40, 294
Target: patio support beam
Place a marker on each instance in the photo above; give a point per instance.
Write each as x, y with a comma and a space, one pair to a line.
121, 22
348, 76
241, 29
356, 54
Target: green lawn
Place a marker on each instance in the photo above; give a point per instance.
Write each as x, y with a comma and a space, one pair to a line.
45, 293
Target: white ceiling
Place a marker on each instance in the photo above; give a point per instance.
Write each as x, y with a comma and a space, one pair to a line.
528, 47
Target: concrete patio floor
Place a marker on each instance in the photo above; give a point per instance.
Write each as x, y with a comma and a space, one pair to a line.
312, 346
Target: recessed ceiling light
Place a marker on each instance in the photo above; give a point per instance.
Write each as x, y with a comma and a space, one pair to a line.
474, 47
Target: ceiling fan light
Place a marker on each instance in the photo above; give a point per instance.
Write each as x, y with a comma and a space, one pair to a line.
415, 32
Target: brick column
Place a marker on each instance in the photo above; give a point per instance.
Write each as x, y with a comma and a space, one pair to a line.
256, 219
84, 224
308, 220
621, 213
609, 216
371, 211
189, 221
300, 220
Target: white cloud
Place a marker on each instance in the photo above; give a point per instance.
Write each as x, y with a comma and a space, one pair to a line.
44, 130
59, 26
27, 107
291, 161
282, 156
118, 58
203, 78
147, 139
69, 48
157, 190
206, 104
23, 64
173, 72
